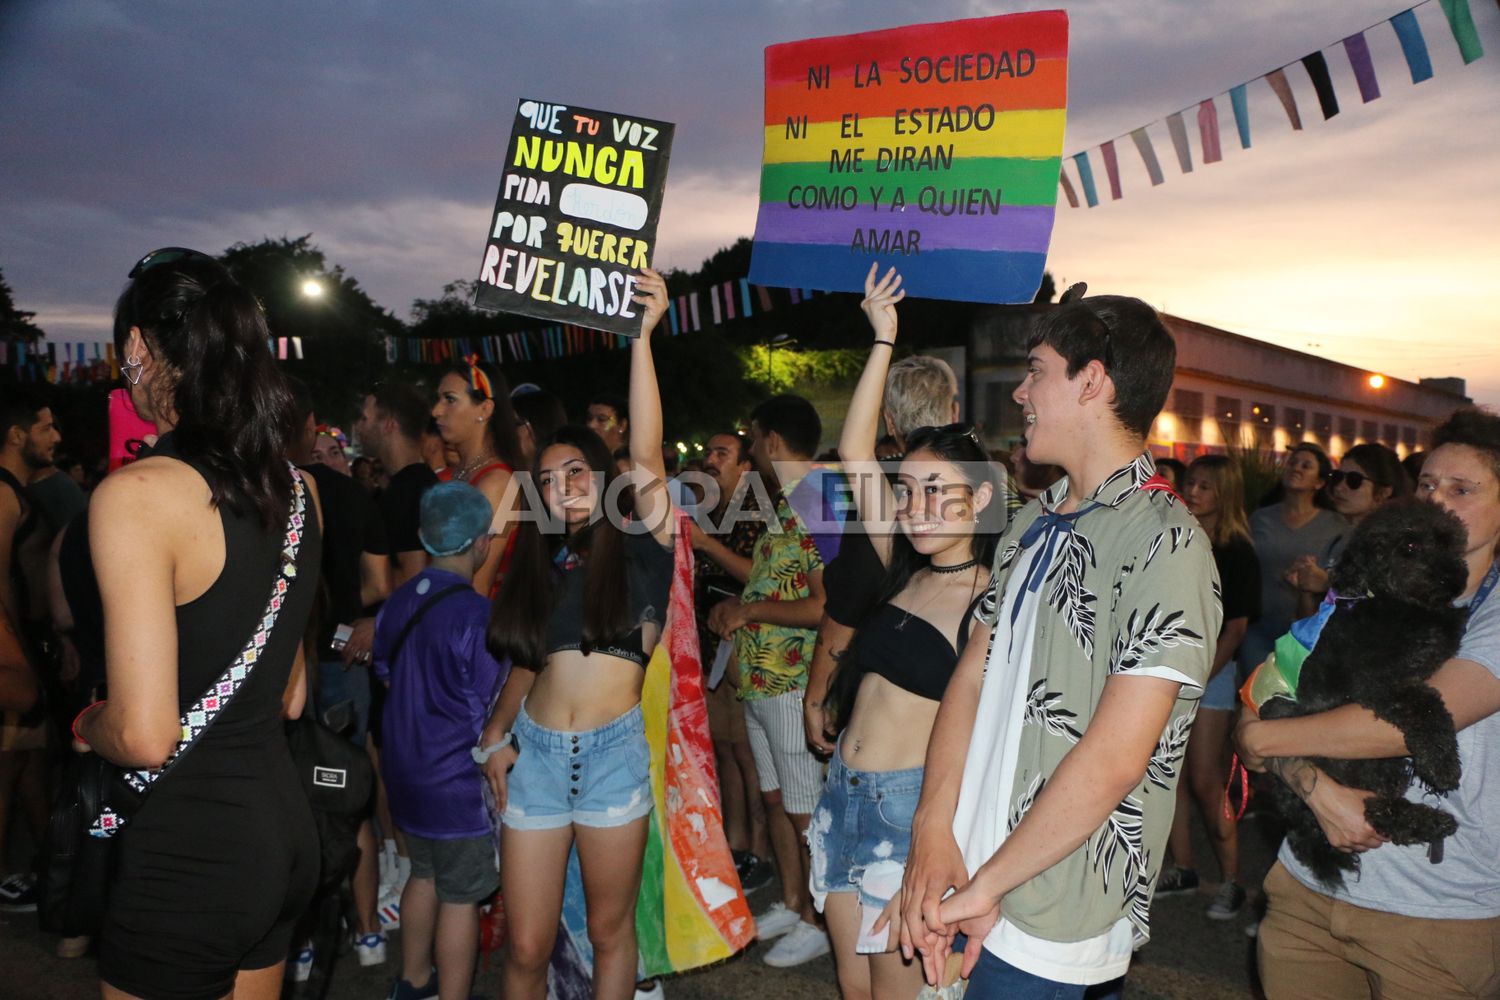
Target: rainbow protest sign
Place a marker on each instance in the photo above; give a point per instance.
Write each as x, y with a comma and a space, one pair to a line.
934, 147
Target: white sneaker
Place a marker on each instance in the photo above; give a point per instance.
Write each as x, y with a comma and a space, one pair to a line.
802, 943
302, 965
775, 922
370, 948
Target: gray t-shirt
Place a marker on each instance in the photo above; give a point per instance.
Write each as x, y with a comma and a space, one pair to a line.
1277, 547
1466, 885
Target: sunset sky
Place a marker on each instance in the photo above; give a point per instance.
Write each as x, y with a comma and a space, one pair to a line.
1372, 238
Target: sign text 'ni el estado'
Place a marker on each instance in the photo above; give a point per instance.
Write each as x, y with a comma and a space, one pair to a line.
933, 147
576, 216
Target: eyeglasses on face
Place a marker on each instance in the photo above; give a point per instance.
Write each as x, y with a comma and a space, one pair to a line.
166, 255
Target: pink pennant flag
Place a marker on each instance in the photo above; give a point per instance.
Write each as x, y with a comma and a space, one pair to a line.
1142, 140
1178, 131
281, 348
1067, 186
1112, 168
729, 300
764, 295
1277, 80
1208, 131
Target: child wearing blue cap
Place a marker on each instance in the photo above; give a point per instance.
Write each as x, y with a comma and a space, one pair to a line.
430, 650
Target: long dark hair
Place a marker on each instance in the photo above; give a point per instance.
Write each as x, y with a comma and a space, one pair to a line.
234, 411
528, 595
958, 446
502, 426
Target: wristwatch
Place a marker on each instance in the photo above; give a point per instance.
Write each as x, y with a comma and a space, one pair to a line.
482, 754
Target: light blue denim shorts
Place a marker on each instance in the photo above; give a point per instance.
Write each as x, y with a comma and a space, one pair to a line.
859, 838
1222, 692
599, 777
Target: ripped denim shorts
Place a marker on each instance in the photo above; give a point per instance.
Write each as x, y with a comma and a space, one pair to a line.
859, 837
599, 777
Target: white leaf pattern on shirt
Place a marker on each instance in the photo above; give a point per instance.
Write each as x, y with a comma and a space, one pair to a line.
1150, 633
1043, 708
1024, 803
1169, 751
1068, 596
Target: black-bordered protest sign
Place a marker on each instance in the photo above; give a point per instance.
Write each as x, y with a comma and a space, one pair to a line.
576, 216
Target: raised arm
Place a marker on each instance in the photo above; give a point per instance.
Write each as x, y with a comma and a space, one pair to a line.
872, 494
652, 503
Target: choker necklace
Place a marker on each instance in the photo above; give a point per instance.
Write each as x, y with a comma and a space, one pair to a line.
959, 568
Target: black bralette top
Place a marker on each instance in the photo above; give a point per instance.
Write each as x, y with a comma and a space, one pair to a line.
909, 651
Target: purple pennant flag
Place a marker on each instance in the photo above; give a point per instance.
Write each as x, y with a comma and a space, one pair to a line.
1208, 131
1142, 140
1112, 168
1178, 131
1358, 51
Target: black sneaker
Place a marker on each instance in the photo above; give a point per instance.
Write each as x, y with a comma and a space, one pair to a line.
1227, 904
1176, 882
18, 894
754, 872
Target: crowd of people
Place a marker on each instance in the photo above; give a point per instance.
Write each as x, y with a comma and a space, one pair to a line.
964, 706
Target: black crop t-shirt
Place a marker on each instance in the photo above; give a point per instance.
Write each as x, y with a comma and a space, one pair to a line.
648, 576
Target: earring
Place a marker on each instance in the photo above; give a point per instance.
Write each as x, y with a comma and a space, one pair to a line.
131, 369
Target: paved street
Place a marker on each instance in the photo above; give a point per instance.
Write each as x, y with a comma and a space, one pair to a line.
1189, 958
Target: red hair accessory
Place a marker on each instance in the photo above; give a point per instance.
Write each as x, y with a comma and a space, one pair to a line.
478, 380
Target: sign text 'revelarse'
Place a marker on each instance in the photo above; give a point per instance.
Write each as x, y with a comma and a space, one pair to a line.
575, 219
934, 147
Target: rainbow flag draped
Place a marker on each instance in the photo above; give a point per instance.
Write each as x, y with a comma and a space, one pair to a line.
691, 910
1277, 676
934, 147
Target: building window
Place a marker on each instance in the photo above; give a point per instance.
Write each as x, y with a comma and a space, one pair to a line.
1391, 436
1346, 430
1322, 427
1227, 413
1409, 438
1368, 431
1187, 404
1263, 425
1295, 422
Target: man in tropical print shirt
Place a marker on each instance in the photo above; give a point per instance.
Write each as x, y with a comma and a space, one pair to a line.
1055, 756
774, 627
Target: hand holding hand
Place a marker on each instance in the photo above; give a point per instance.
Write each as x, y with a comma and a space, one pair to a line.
974, 910
880, 301
933, 866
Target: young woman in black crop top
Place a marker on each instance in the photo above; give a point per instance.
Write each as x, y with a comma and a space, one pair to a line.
579, 612
935, 533
222, 857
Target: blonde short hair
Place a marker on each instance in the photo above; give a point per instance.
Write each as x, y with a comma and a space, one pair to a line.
919, 392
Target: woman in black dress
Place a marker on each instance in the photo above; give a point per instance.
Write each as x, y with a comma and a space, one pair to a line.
187, 543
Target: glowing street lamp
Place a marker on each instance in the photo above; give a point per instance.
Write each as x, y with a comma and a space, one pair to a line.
312, 288
1377, 381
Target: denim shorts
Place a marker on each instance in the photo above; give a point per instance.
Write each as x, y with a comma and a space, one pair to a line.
859, 837
1221, 692
599, 777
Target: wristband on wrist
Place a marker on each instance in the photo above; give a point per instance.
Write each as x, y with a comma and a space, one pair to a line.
79, 718
888, 343
482, 755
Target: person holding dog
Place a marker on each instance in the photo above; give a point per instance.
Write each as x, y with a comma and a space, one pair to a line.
1408, 927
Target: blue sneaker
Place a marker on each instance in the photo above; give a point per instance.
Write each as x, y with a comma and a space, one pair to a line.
303, 963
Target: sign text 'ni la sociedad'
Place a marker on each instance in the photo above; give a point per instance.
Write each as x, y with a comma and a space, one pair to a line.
934, 147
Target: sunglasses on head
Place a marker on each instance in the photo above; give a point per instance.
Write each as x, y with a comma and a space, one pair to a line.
166, 255
1354, 479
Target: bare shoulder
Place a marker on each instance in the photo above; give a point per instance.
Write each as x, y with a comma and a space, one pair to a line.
159, 486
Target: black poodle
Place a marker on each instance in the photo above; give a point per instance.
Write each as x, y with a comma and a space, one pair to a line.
1394, 625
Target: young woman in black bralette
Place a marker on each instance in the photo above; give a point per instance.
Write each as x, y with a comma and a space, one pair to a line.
935, 533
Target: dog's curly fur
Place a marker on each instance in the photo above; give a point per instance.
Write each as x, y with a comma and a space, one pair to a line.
1404, 566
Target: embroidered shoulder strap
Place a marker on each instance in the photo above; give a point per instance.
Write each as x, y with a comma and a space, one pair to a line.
202, 712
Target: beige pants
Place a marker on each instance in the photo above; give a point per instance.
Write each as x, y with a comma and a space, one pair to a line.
1315, 947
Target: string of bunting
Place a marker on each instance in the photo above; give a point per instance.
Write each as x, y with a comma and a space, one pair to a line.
688, 313
1356, 49
59, 361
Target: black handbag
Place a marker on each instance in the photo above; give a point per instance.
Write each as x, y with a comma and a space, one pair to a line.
98, 798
